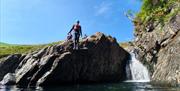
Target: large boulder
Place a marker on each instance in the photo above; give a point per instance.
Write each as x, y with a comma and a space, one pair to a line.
102, 60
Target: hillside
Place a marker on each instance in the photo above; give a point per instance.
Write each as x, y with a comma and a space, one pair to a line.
7, 49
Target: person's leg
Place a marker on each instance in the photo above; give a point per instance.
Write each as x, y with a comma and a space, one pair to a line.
77, 41
74, 44
74, 41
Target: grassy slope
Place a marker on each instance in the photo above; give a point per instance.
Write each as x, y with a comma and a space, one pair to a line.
6, 49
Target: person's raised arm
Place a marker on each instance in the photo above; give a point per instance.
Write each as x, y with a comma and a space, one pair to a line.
71, 29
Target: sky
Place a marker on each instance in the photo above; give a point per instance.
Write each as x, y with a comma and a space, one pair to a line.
46, 21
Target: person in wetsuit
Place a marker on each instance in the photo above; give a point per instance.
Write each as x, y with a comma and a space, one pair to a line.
77, 32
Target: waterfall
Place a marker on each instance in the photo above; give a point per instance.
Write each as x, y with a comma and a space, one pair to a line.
136, 71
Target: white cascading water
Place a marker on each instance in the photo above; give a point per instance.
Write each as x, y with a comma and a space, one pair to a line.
136, 71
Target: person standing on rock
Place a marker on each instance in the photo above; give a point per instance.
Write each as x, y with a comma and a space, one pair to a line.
77, 32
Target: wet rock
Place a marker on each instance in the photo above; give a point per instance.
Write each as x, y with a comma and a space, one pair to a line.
9, 79
9, 64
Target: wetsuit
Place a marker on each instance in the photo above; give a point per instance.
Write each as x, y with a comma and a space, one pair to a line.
76, 34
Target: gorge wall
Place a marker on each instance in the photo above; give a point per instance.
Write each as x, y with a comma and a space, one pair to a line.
157, 41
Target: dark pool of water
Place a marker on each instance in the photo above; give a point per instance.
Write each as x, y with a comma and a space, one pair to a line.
125, 86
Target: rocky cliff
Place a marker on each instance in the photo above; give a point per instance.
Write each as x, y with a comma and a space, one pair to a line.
101, 60
158, 40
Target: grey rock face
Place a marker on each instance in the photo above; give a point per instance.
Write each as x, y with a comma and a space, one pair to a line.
9, 64
168, 65
159, 49
9, 79
174, 23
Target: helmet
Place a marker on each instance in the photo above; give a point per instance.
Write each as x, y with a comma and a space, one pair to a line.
78, 21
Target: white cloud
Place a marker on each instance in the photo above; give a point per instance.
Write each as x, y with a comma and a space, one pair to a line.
103, 8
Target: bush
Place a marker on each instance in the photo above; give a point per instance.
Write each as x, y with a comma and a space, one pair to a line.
156, 10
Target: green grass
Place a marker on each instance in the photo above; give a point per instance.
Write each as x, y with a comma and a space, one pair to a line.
151, 11
7, 49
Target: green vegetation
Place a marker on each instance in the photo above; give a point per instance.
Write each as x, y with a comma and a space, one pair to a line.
126, 44
6, 49
156, 10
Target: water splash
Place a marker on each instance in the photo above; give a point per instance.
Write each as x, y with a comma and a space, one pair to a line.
136, 71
